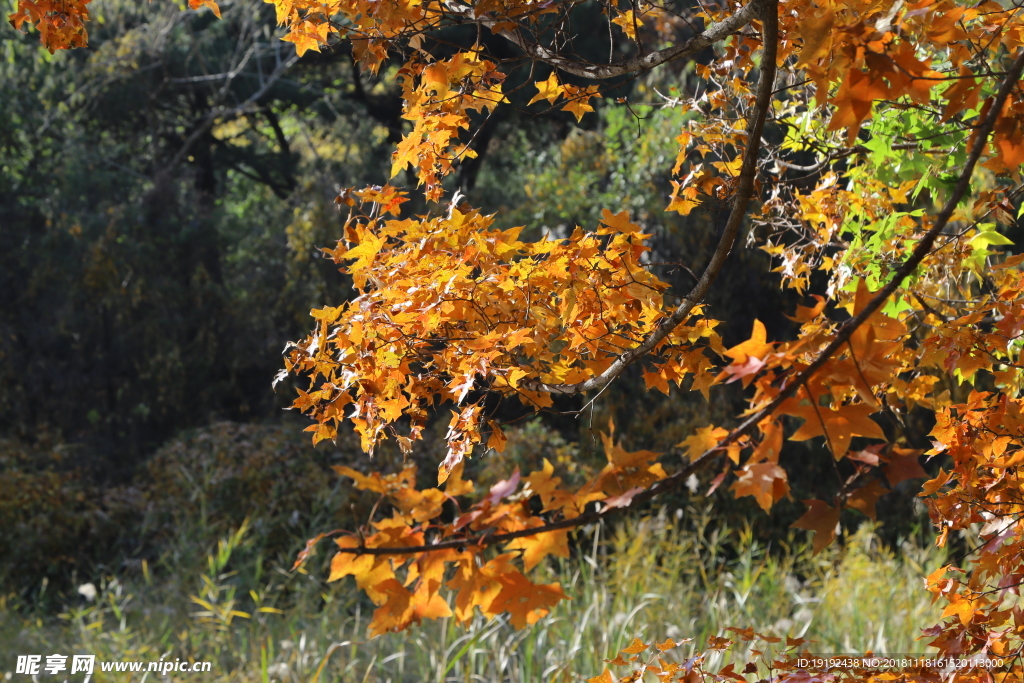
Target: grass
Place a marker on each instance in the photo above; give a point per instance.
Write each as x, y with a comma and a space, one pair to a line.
672, 575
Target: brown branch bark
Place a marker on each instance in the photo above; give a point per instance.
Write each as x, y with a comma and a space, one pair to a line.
842, 336
642, 62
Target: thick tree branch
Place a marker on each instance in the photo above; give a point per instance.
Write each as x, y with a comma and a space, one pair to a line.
842, 336
711, 35
643, 62
740, 202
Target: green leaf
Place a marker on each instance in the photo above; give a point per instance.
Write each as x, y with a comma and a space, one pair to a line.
896, 305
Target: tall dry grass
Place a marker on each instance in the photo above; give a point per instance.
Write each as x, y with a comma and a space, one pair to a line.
672, 575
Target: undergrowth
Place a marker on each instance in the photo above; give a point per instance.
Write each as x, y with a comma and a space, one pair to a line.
202, 581
673, 575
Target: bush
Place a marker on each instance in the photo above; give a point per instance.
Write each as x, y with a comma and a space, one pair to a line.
56, 524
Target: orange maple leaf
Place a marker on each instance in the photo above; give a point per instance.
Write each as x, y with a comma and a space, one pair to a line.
427, 603
820, 518
756, 346
765, 481
903, 464
853, 102
196, 4
805, 314
864, 499
684, 198
536, 548
962, 607
963, 94
579, 99
816, 32
771, 443
307, 35
525, 601
395, 611
838, 426
655, 379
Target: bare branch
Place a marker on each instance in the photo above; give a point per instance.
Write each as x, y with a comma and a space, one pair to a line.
850, 151
227, 112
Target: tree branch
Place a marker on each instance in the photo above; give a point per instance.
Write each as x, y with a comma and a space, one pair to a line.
711, 35
227, 112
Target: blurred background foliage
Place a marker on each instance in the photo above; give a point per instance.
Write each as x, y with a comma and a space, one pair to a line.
163, 198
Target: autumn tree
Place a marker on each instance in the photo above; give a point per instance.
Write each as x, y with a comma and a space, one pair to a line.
873, 150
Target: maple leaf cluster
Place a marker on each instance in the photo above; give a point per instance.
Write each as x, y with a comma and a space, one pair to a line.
61, 25
450, 308
438, 99
408, 558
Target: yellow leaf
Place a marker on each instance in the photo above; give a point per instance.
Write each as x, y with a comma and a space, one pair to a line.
704, 439
669, 644
636, 647
627, 22
619, 222
684, 199
306, 36
497, 439
549, 89
579, 100
407, 153
455, 485
365, 252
